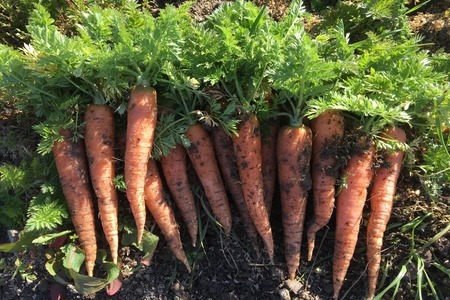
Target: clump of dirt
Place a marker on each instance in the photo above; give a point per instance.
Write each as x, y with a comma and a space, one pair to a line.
433, 24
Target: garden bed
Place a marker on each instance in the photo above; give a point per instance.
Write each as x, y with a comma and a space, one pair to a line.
230, 268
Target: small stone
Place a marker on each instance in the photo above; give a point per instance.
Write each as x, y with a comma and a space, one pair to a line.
294, 285
284, 294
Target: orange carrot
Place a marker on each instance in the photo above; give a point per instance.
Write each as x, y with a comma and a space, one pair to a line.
293, 157
162, 213
328, 130
99, 142
350, 203
201, 153
247, 148
175, 172
141, 123
269, 163
223, 146
70, 159
381, 200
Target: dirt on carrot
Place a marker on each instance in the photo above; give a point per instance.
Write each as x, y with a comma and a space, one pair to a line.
156, 202
202, 156
70, 159
141, 123
355, 180
247, 149
328, 131
293, 158
174, 167
223, 146
99, 141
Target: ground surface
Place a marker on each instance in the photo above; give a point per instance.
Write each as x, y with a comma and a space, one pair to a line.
229, 269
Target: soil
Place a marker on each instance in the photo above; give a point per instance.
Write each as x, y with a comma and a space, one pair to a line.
230, 269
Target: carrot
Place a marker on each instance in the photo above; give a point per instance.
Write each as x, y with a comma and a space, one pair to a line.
223, 146
328, 130
161, 211
247, 148
293, 158
381, 200
175, 172
141, 125
201, 153
350, 203
99, 142
269, 163
70, 159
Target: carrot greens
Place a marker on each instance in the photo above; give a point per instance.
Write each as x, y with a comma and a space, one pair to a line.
234, 48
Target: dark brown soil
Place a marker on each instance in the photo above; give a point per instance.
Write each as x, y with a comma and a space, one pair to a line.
230, 269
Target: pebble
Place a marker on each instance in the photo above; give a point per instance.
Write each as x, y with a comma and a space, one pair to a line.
284, 294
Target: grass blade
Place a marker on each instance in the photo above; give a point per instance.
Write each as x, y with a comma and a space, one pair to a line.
435, 238
395, 282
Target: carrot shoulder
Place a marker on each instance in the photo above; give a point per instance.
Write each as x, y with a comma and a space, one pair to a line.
293, 157
349, 209
247, 148
162, 213
223, 146
381, 200
201, 153
99, 142
328, 130
175, 172
141, 122
70, 159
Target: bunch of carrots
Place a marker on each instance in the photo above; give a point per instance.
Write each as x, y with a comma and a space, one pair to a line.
251, 103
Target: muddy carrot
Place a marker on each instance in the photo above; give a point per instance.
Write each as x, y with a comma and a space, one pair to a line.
156, 203
328, 130
175, 172
202, 156
247, 149
99, 142
381, 201
223, 145
293, 158
269, 163
357, 176
70, 159
141, 123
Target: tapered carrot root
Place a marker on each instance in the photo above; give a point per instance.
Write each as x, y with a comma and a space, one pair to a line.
349, 208
141, 123
247, 148
293, 158
70, 159
223, 146
201, 153
99, 141
162, 213
269, 163
328, 130
381, 200
175, 172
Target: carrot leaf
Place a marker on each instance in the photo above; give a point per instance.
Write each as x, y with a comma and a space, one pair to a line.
234, 48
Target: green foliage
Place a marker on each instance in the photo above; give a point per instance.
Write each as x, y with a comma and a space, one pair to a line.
14, 188
362, 59
300, 71
361, 17
45, 214
416, 262
65, 267
234, 47
29, 196
147, 246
